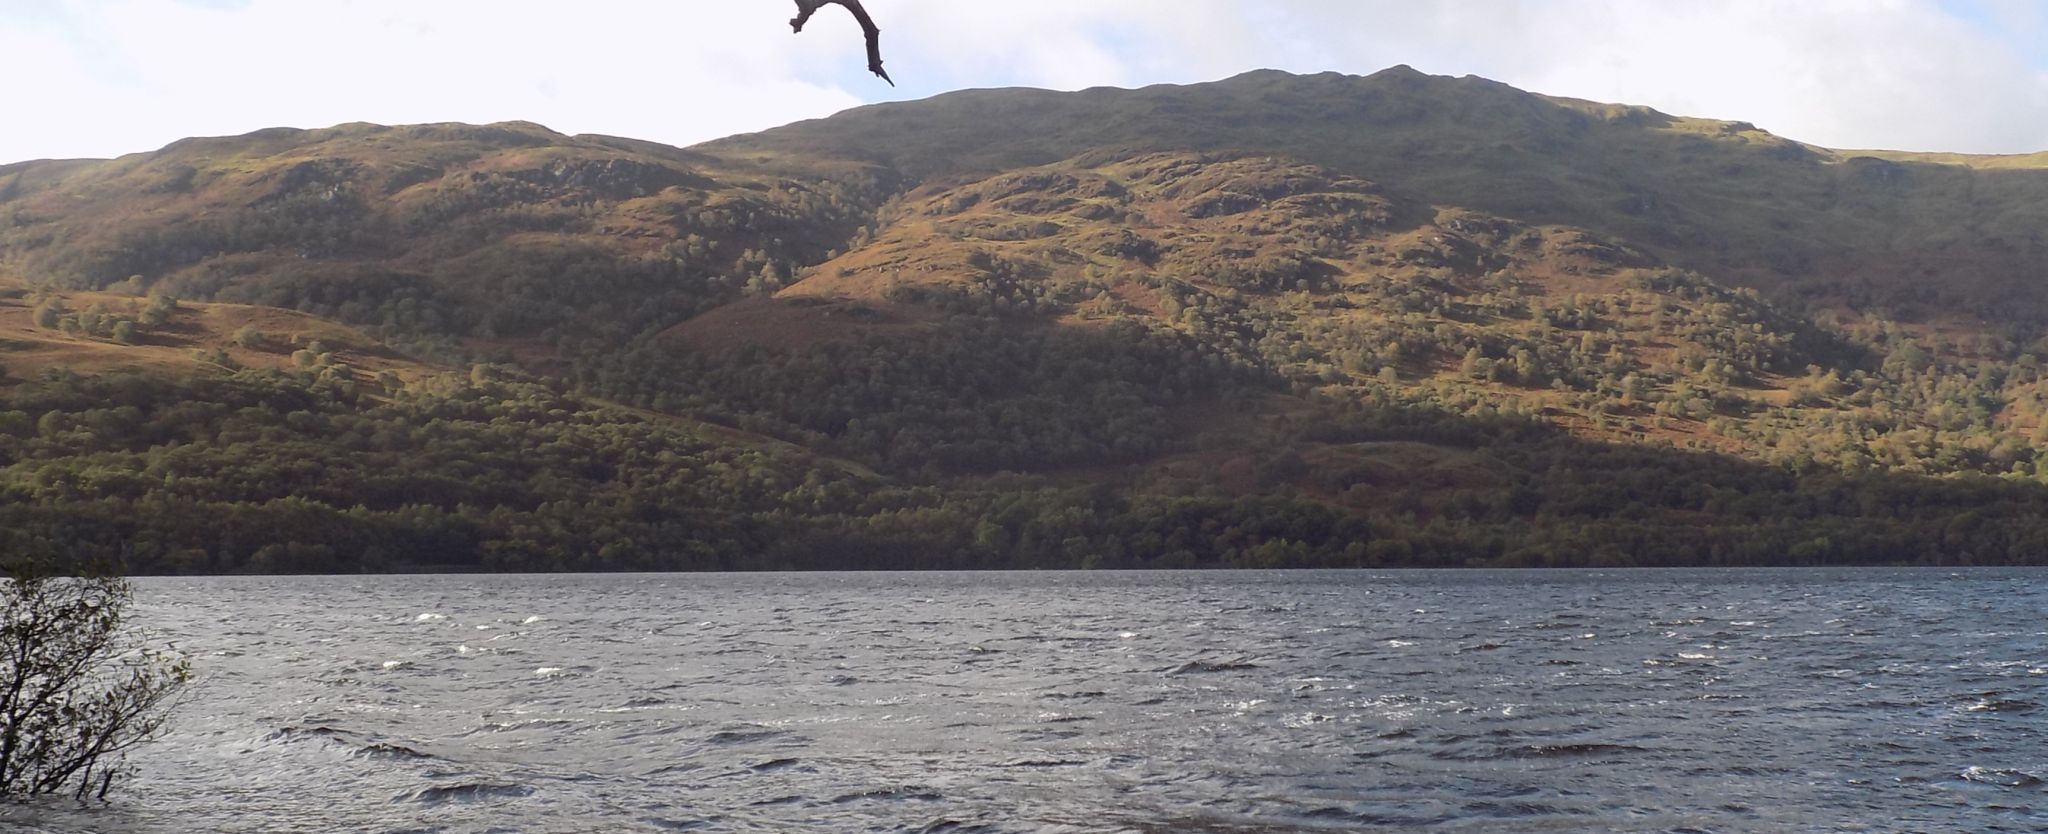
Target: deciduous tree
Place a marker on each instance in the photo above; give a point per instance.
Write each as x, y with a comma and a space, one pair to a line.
76, 690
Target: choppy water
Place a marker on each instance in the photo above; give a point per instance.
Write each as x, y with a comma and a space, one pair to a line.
1210, 702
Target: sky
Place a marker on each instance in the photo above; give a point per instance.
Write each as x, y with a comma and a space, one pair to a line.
97, 78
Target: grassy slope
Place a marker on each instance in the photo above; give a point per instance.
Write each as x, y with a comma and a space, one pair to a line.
1319, 253
180, 345
462, 217
1722, 198
427, 231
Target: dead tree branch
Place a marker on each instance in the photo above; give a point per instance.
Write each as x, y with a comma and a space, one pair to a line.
806, 8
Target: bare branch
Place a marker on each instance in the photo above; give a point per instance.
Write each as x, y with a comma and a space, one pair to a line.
806, 8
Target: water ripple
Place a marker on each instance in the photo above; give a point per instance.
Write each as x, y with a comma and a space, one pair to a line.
1739, 701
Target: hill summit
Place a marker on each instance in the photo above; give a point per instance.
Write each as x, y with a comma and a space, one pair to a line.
1726, 198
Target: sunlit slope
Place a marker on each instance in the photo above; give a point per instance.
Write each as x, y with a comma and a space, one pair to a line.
1924, 234
1325, 284
44, 330
515, 231
468, 231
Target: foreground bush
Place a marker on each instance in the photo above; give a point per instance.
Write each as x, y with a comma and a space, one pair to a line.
75, 692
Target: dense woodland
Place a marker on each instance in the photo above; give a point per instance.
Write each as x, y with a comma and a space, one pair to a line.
299, 471
1129, 359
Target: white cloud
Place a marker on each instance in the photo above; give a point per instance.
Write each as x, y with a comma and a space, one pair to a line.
101, 77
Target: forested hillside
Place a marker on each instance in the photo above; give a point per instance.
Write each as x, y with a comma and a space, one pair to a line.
1271, 321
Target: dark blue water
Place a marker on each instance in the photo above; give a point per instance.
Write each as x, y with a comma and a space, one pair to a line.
1694, 701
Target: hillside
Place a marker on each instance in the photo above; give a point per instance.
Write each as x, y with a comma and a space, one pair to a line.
1269, 321
203, 437
426, 232
1942, 236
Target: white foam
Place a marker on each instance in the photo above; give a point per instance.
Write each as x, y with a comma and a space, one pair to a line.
533, 619
2005, 777
1126, 635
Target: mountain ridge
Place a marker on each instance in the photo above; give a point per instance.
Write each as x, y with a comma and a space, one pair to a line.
1275, 320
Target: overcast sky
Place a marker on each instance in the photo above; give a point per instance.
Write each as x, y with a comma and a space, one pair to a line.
106, 77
